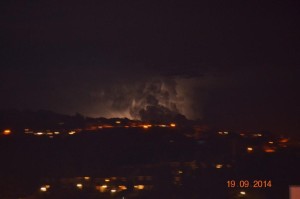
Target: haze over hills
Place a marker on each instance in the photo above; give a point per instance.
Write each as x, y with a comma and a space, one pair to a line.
44, 119
18, 120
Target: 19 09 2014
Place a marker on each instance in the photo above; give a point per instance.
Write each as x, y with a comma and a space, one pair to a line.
250, 184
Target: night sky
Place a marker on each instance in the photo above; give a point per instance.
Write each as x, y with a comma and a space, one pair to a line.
233, 64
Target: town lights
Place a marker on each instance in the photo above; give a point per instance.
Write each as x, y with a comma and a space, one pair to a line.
243, 193
269, 150
6, 132
113, 191
139, 187
146, 126
223, 133
122, 187
102, 188
219, 166
249, 149
79, 186
44, 188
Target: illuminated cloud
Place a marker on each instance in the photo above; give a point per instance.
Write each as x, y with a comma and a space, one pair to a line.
161, 97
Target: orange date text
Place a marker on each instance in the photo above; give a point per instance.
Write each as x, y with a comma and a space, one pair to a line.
249, 184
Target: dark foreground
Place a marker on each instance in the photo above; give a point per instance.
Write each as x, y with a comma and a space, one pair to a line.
132, 163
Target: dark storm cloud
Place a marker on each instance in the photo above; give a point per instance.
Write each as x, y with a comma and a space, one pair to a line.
155, 96
129, 97
216, 61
